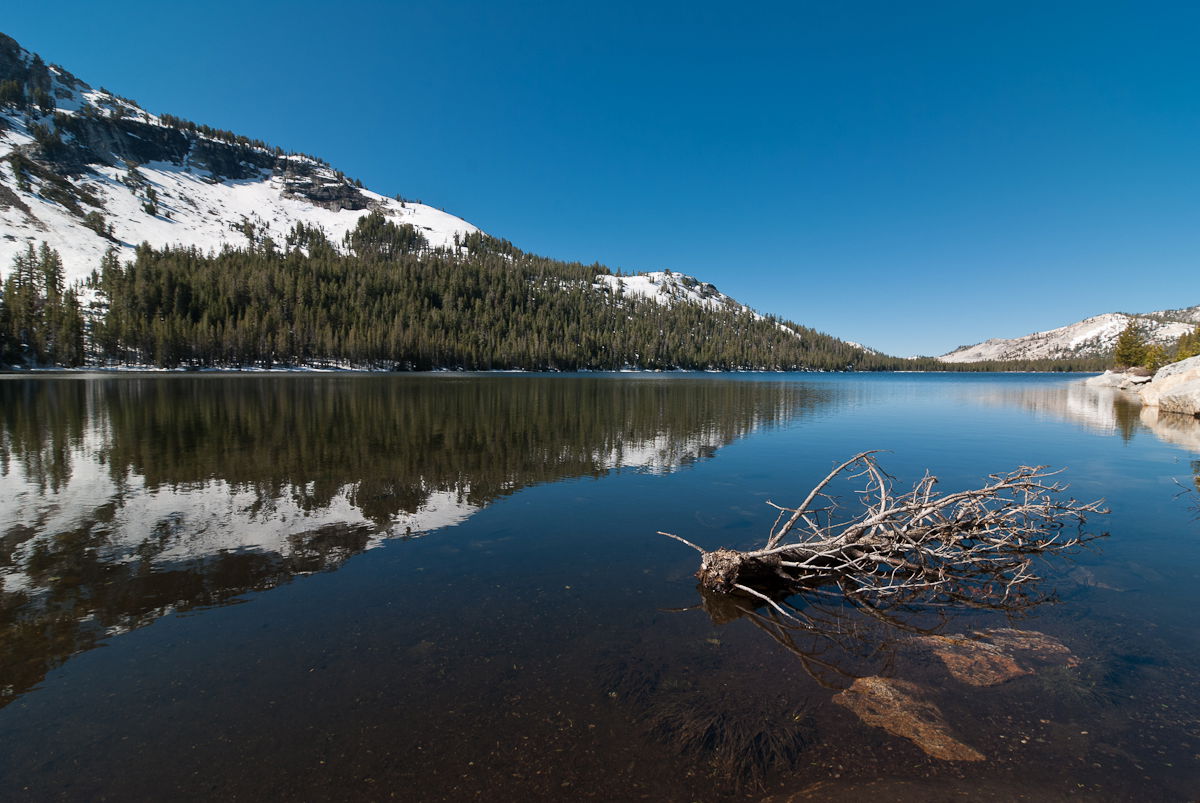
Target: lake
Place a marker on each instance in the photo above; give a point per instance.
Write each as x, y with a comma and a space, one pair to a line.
450, 587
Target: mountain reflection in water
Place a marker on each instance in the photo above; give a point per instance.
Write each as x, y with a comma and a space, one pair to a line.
128, 499
535, 651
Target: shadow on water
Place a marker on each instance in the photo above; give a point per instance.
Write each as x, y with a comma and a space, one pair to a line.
131, 498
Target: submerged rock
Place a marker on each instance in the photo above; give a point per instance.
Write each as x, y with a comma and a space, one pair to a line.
900, 708
981, 658
994, 656
975, 663
1030, 646
1086, 577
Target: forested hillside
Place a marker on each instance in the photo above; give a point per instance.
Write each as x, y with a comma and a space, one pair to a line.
389, 303
386, 301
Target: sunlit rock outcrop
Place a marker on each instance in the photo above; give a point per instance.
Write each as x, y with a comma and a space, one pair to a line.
1175, 388
1124, 380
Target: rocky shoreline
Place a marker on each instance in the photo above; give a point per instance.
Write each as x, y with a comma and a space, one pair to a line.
1174, 388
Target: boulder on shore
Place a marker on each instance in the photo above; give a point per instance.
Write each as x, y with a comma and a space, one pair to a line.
1175, 388
1108, 379
1183, 398
1121, 379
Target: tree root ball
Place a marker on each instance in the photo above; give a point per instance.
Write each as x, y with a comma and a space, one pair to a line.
723, 569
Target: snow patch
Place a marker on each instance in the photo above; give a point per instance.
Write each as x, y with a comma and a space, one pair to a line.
192, 211
190, 208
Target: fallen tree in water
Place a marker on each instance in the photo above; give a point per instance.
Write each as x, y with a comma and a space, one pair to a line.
975, 547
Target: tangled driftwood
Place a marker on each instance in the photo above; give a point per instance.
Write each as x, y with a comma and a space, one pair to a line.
974, 547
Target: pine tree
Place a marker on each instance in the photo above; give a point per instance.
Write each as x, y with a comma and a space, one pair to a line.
392, 302
1156, 357
1188, 344
21, 295
6, 350
1130, 349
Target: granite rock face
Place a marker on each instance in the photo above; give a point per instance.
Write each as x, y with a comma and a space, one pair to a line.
1125, 380
1183, 398
1175, 388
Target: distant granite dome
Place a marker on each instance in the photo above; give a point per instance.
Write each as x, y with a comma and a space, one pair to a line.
1091, 337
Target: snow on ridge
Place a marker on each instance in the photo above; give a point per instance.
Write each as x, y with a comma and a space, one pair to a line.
670, 287
209, 216
193, 207
1093, 336
1183, 314
667, 288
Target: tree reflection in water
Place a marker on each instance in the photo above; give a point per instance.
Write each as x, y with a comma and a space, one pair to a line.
130, 498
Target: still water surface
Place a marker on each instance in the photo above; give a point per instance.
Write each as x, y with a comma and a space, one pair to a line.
450, 588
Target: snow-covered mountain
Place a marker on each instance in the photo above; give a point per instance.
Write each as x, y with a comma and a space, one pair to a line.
1091, 337
84, 171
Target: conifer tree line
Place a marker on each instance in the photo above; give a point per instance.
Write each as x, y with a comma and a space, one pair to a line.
390, 302
386, 300
41, 323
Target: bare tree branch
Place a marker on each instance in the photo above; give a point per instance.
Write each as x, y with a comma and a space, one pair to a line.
975, 547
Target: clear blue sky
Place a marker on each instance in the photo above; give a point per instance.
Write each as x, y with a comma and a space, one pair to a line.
914, 175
